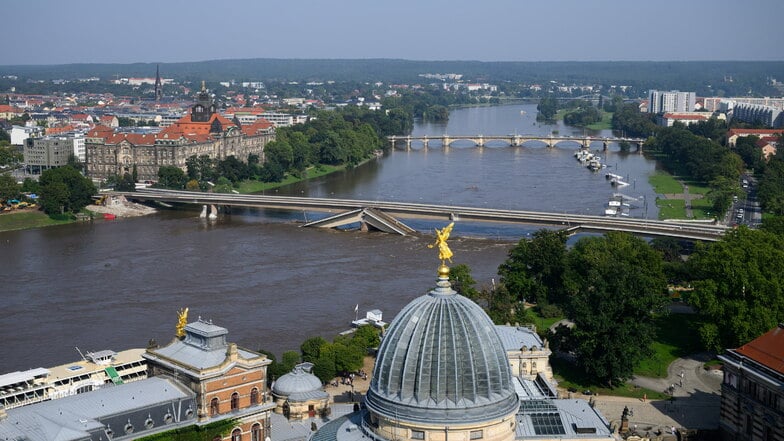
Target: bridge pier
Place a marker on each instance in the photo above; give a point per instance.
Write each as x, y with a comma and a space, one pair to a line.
639, 148
604, 146
213, 212
408, 143
203, 214
445, 141
425, 142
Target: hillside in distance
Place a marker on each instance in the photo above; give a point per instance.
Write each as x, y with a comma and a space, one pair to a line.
730, 76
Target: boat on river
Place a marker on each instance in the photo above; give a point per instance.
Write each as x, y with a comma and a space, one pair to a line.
95, 370
594, 164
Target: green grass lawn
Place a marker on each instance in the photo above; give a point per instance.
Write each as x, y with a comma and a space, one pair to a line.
570, 376
20, 220
312, 172
702, 208
676, 336
671, 208
542, 323
698, 188
604, 124
665, 183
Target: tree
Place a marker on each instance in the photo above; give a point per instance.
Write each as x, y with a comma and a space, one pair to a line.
288, 360
9, 189
75, 194
774, 224
548, 107
279, 152
324, 367
54, 198
535, 267
30, 185
771, 187
125, 183
746, 147
462, 282
311, 348
614, 285
172, 177
738, 286
9, 155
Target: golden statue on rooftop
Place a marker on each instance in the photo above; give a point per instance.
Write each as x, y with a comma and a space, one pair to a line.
182, 320
444, 253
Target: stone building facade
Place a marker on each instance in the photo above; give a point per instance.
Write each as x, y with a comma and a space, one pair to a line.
752, 393
229, 382
202, 132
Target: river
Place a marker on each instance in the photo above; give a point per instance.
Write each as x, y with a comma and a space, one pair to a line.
117, 284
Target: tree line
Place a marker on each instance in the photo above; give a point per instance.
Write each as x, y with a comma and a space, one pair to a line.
347, 136
701, 152
613, 288
346, 353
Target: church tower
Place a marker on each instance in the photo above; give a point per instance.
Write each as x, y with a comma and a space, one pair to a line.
158, 88
204, 108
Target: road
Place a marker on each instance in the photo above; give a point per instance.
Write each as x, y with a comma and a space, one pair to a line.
696, 399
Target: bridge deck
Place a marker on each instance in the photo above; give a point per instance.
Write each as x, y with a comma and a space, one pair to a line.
684, 230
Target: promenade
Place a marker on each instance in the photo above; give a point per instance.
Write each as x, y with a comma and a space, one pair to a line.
695, 404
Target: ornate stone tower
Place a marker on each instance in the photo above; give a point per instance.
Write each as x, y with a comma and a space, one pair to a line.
204, 108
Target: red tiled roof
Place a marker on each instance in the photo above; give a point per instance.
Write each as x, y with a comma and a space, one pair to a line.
767, 349
260, 125
133, 138
744, 132
685, 116
100, 131
251, 110
5, 108
194, 131
57, 130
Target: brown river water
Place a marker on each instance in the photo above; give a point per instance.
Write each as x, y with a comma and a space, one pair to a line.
117, 284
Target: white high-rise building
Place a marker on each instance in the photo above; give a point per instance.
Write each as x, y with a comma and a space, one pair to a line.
672, 101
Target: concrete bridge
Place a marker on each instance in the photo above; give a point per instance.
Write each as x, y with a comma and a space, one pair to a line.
383, 215
515, 140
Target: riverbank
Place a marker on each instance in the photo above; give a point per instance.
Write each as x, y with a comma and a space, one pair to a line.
27, 219
253, 186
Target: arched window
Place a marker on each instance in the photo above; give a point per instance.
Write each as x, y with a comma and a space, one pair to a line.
255, 432
236, 435
254, 396
214, 407
235, 401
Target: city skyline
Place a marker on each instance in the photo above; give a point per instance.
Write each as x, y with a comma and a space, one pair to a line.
87, 31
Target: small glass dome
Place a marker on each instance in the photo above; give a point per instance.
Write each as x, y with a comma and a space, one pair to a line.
300, 380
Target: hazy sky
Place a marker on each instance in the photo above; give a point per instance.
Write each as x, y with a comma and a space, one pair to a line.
75, 31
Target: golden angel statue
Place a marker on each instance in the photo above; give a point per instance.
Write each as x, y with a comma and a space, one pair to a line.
182, 320
444, 253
